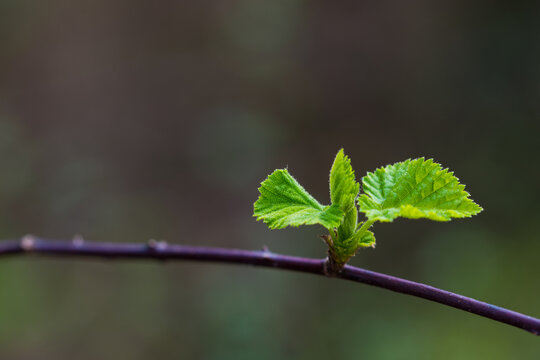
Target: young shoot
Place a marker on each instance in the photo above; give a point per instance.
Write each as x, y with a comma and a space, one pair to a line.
411, 189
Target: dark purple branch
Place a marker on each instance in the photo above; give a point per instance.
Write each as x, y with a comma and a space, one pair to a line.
164, 251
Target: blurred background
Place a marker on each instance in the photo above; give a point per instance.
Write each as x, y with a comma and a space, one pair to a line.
124, 121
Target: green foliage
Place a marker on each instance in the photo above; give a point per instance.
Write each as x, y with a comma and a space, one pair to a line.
343, 186
415, 189
284, 202
343, 192
412, 189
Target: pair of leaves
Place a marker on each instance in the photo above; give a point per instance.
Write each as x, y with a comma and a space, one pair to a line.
284, 202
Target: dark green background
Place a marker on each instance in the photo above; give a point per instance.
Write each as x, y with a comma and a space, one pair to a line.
124, 121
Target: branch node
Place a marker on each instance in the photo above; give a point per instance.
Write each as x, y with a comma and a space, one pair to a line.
28, 242
267, 254
331, 268
77, 240
152, 244
155, 245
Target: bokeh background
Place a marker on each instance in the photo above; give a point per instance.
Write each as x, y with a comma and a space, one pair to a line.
124, 121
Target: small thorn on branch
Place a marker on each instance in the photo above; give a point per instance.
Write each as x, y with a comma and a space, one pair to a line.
28, 242
77, 240
151, 244
155, 245
267, 254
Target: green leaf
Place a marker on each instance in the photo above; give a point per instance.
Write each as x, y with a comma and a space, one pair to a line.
367, 239
343, 192
415, 189
284, 202
343, 186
